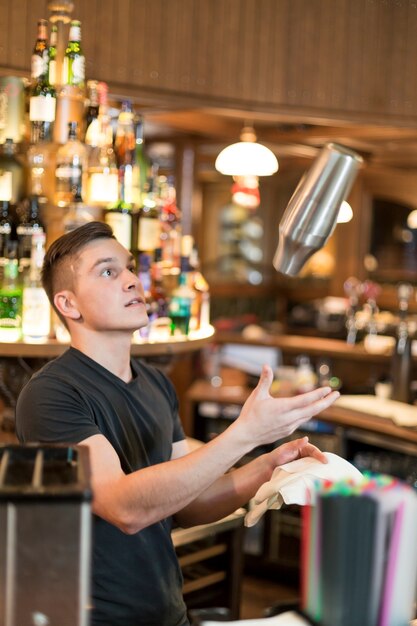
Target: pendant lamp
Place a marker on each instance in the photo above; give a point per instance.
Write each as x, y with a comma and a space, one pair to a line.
247, 157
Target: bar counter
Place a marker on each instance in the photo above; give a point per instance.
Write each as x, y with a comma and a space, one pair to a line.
52, 348
300, 344
203, 391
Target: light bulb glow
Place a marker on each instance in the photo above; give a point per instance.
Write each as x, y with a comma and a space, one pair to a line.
246, 158
345, 213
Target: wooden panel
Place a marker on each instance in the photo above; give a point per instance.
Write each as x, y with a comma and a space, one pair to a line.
334, 60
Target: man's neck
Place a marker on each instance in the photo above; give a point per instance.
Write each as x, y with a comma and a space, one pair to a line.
110, 350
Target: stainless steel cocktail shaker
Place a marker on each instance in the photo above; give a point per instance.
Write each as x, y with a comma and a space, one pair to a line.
312, 211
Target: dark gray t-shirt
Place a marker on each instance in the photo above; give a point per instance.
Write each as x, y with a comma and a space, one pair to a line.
136, 578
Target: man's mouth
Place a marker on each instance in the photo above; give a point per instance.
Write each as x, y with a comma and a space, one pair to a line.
134, 301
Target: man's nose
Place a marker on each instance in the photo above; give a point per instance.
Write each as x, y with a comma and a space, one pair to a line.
131, 280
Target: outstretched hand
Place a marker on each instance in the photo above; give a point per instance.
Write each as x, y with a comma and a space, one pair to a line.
265, 419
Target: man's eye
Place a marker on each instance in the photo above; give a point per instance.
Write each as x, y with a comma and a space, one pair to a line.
107, 272
132, 269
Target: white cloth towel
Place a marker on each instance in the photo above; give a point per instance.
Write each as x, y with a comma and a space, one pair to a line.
289, 618
293, 483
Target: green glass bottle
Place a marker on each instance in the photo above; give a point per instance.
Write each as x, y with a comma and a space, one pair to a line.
180, 305
42, 103
11, 298
73, 70
53, 40
39, 60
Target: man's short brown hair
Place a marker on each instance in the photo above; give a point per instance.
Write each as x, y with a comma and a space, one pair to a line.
56, 272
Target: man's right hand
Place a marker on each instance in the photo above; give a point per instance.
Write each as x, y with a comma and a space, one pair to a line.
265, 419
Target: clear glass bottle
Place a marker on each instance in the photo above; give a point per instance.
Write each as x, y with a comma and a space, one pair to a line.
124, 147
171, 227
159, 299
102, 174
12, 175
76, 215
73, 68
11, 298
36, 312
92, 124
30, 224
119, 218
149, 224
70, 166
7, 228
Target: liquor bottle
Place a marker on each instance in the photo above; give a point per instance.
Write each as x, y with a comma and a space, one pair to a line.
11, 298
159, 300
200, 311
73, 68
149, 225
119, 216
142, 167
36, 312
39, 60
124, 147
92, 123
42, 102
76, 215
70, 166
11, 173
170, 227
52, 49
180, 306
144, 275
401, 360
30, 224
102, 173
7, 228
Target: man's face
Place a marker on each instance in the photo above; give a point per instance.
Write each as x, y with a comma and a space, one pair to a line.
108, 293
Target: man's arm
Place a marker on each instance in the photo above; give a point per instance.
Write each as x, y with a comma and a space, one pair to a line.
134, 501
237, 487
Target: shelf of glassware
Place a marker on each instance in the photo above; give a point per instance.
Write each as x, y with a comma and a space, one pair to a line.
157, 346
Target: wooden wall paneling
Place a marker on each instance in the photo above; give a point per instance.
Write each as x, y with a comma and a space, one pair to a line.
177, 48
231, 55
90, 14
19, 39
251, 33
323, 91
4, 32
215, 196
102, 64
204, 24
389, 83
123, 32
278, 66
138, 66
308, 67
262, 82
155, 26
410, 74
348, 245
218, 55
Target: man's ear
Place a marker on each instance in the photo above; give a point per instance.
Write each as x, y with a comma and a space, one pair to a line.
66, 304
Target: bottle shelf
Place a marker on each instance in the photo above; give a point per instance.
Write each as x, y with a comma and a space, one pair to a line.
51, 348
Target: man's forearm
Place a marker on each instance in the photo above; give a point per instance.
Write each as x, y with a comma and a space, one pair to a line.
227, 493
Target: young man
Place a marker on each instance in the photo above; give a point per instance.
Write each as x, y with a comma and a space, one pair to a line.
126, 413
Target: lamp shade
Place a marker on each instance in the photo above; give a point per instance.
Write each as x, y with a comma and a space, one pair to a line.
246, 158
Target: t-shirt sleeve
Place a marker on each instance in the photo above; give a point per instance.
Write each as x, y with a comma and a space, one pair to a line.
49, 410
